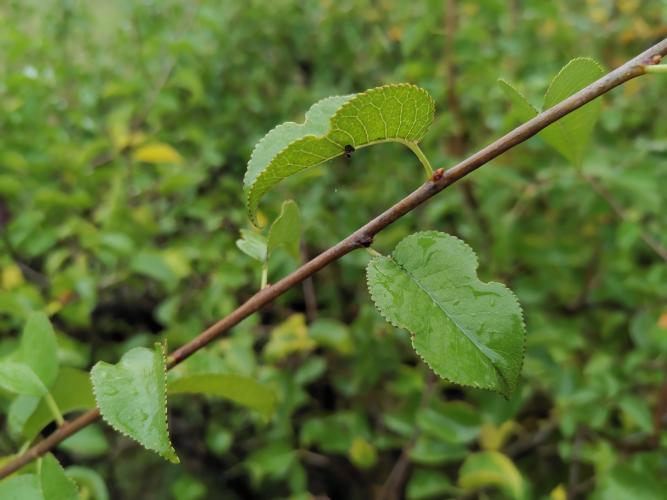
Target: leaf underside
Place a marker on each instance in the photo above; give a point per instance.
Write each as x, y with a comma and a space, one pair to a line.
469, 332
132, 398
401, 113
571, 134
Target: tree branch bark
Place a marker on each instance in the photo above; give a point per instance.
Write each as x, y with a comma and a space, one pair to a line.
363, 236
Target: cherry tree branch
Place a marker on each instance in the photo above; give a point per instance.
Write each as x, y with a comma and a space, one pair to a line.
363, 236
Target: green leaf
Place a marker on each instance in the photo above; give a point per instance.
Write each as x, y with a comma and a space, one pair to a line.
252, 244
241, 390
22, 487
286, 231
132, 398
89, 480
576, 128
491, 468
89, 442
71, 391
362, 453
467, 331
426, 483
55, 484
19, 378
400, 113
39, 349
571, 134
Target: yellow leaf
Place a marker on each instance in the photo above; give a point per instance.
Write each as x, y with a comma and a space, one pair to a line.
11, 277
491, 468
157, 153
558, 493
288, 337
493, 437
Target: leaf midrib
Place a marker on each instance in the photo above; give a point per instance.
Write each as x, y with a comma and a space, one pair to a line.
484, 350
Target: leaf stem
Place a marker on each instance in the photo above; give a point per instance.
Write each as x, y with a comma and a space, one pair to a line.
656, 68
55, 411
421, 156
374, 252
265, 274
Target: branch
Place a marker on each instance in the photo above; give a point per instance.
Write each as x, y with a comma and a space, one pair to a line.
363, 236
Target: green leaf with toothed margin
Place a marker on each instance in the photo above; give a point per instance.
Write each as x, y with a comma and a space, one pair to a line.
55, 484
132, 398
571, 134
469, 332
399, 113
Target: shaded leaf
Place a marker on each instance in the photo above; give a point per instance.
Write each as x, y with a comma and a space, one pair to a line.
400, 113
425, 484
469, 332
71, 391
90, 480
286, 231
132, 398
39, 349
241, 390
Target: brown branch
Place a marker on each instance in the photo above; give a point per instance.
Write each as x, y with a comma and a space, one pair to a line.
363, 236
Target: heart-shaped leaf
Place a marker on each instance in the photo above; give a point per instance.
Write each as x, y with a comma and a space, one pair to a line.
132, 398
241, 390
333, 127
571, 134
467, 331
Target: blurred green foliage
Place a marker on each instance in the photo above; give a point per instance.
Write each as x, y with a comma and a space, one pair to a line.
125, 130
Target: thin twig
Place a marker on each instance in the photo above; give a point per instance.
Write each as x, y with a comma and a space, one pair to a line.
619, 210
363, 236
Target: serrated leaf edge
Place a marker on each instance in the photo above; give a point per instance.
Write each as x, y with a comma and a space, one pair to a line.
251, 188
396, 324
122, 432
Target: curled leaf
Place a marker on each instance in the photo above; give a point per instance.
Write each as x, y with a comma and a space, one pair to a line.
333, 127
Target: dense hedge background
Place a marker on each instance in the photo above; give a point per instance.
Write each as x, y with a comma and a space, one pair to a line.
123, 244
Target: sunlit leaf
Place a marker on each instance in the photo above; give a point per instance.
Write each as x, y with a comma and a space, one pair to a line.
23, 487
19, 378
399, 113
55, 484
157, 153
467, 331
576, 128
252, 244
288, 337
132, 398
571, 134
491, 468
241, 390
